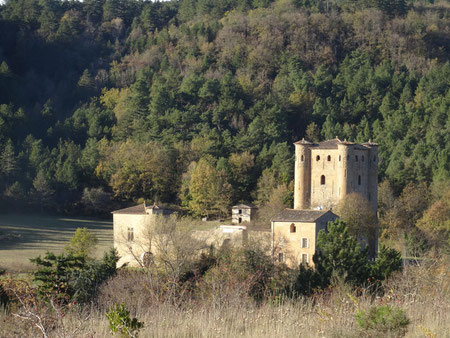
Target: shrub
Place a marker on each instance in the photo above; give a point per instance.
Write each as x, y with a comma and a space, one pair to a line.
131, 287
54, 274
121, 322
3, 296
307, 281
86, 281
82, 243
69, 277
388, 261
383, 320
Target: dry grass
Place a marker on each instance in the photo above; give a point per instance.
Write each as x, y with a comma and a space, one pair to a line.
423, 292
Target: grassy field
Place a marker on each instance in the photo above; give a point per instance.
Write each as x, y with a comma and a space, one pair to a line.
26, 236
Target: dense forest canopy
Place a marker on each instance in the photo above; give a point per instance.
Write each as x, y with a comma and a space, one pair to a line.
197, 102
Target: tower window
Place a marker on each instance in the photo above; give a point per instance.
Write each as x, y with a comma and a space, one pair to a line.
339, 158
374, 158
362, 158
293, 228
317, 158
356, 158
348, 157
322, 179
280, 257
302, 158
329, 158
359, 179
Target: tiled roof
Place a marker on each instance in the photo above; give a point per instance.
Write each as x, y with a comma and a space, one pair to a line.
333, 144
137, 209
303, 141
292, 215
245, 206
330, 144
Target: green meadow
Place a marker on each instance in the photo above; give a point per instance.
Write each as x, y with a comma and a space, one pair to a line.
26, 236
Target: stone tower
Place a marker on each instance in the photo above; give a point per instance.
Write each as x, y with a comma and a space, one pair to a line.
326, 172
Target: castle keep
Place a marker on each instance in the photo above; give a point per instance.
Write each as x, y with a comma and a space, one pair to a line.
326, 172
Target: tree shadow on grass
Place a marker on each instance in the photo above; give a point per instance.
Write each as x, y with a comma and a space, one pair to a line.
27, 232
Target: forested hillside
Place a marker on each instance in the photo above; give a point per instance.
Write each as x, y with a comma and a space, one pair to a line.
197, 102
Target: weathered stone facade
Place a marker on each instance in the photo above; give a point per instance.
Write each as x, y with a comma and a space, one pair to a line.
243, 213
133, 233
328, 171
295, 234
325, 173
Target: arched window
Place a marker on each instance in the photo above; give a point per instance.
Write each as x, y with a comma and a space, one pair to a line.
293, 228
329, 158
339, 158
356, 158
322, 179
302, 158
317, 158
359, 179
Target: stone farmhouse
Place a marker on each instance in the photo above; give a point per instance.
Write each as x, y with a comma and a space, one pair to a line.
132, 232
325, 173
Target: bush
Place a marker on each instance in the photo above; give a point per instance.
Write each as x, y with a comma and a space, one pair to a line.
307, 282
388, 261
3, 296
131, 287
121, 322
82, 243
86, 281
69, 277
54, 274
385, 319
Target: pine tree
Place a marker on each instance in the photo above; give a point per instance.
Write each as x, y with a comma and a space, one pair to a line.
340, 254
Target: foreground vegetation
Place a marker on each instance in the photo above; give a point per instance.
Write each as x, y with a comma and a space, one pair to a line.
422, 292
229, 292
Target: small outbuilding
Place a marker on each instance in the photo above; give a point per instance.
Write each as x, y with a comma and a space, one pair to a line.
243, 213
